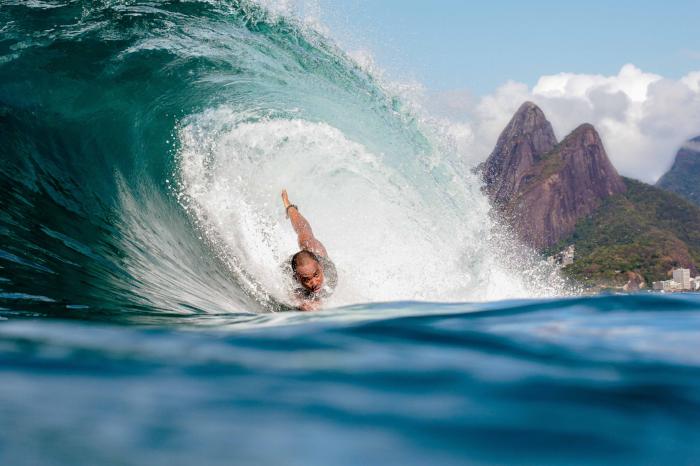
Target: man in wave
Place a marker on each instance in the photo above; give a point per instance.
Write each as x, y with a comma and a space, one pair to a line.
313, 271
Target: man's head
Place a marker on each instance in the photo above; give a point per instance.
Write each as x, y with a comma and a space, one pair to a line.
308, 271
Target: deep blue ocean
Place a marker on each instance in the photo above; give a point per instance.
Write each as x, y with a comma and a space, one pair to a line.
144, 313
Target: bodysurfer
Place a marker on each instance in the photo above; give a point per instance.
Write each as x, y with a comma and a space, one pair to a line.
314, 273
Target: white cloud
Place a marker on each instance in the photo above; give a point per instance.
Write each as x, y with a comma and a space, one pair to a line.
643, 118
632, 81
692, 80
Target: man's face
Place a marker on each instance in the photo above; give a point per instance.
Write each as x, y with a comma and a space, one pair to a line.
310, 275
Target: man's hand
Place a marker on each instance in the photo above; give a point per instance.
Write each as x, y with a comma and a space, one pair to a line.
308, 306
285, 199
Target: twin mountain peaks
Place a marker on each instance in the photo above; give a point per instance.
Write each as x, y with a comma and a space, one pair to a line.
555, 193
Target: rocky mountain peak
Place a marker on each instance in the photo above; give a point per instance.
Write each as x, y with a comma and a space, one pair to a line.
529, 119
585, 133
684, 176
527, 136
543, 188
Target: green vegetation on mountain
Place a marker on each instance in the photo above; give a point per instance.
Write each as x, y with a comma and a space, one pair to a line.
645, 230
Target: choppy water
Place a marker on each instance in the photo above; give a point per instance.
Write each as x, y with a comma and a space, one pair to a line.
143, 146
579, 381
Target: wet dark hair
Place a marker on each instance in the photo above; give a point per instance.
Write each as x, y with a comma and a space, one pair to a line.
300, 256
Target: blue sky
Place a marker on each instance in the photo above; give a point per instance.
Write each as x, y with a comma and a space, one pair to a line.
451, 44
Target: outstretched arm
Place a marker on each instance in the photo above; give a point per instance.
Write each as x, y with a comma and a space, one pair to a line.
301, 226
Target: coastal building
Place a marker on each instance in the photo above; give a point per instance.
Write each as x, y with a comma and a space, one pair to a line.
682, 276
667, 285
568, 255
695, 284
564, 258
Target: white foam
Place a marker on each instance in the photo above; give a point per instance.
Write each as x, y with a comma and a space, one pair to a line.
397, 230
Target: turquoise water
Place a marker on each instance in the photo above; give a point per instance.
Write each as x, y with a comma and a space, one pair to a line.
610, 380
143, 149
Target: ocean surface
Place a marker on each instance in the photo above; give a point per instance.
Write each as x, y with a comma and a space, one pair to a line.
143, 148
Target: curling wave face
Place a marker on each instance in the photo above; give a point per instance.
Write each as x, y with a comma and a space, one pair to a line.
147, 145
